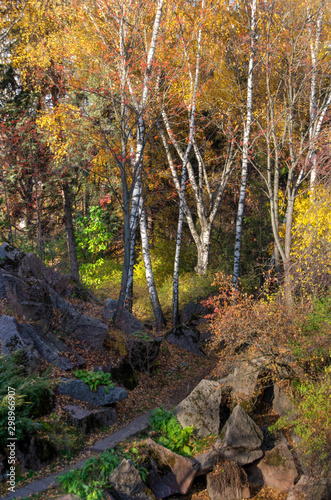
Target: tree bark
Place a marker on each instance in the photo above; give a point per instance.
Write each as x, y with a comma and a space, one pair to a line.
67, 205
244, 169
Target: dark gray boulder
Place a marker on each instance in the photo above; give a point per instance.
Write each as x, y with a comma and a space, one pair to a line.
79, 325
127, 322
185, 338
207, 461
125, 374
127, 483
240, 439
10, 257
143, 350
52, 349
35, 345
77, 389
87, 421
191, 311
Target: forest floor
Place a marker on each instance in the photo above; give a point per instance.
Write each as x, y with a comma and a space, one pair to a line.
175, 373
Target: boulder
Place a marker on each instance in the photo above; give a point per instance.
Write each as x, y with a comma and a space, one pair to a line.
12, 339
124, 374
191, 311
30, 266
52, 349
311, 488
171, 473
70, 496
245, 377
127, 484
3, 294
143, 350
79, 325
281, 402
29, 300
127, 322
77, 389
240, 438
36, 344
201, 408
186, 338
207, 461
87, 421
227, 482
10, 257
277, 469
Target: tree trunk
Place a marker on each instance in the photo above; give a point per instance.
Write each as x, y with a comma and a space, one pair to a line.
158, 314
203, 252
73, 262
40, 240
7, 207
244, 171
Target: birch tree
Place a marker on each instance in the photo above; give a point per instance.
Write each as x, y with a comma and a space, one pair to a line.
245, 147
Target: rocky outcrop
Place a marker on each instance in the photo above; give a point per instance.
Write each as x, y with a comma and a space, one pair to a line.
81, 326
35, 345
87, 421
127, 322
311, 488
171, 473
143, 350
277, 469
127, 484
124, 374
201, 408
77, 389
240, 438
227, 482
186, 338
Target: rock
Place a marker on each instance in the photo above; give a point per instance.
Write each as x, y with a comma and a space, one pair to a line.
70, 496
127, 483
10, 337
143, 349
311, 488
36, 344
77, 389
87, 421
201, 408
52, 349
171, 473
31, 266
227, 482
245, 377
3, 294
124, 374
282, 403
10, 257
34, 452
185, 338
207, 461
277, 469
240, 438
79, 325
29, 300
13, 339
193, 308
127, 322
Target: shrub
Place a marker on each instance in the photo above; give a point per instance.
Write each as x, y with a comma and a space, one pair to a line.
94, 379
173, 435
89, 481
30, 392
313, 417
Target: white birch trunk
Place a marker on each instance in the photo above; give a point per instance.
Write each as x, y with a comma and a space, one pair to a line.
158, 314
247, 128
